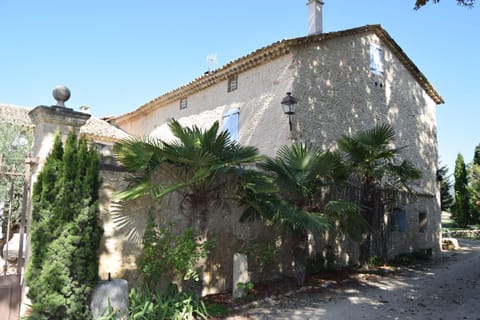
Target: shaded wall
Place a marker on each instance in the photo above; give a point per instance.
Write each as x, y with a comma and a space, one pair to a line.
124, 224
341, 95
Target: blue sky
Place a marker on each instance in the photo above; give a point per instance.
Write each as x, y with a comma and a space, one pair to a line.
116, 55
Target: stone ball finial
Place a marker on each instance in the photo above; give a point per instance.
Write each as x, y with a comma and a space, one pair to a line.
61, 94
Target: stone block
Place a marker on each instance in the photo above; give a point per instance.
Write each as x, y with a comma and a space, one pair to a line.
113, 293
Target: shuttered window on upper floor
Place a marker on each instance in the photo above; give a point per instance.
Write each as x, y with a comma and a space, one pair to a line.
376, 59
230, 123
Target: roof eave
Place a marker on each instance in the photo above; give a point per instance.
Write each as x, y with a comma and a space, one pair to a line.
271, 52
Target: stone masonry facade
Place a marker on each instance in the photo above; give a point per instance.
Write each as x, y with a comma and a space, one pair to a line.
330, 74
338, 94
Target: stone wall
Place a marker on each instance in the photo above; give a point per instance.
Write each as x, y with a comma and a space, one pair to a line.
124, 224
261, 123
338, 94
344, 97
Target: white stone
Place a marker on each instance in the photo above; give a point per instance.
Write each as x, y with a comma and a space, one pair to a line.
113, 293
240, 273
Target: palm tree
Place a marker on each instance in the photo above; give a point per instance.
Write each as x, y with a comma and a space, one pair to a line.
197, 164
301, 172
375, 166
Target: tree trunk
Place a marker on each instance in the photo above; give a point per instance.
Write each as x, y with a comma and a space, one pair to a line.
374, 244
300, 239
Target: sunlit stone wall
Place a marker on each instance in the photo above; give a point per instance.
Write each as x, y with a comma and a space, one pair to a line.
341, 95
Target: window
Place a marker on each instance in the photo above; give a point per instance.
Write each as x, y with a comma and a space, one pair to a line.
232, 83
230, 123
422, 222
183, 103
376, 59
399, 220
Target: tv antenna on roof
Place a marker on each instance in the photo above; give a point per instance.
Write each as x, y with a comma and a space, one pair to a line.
211, 60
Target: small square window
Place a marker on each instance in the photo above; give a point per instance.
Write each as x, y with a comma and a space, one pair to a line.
232, 83
183, 103
422, 222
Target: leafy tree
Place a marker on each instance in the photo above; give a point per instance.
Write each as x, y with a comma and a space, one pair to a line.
476, 155
376, 166
302, 172
446, 199
461, 209
65, 234
199, 164
474, 187
15, 144
464, 3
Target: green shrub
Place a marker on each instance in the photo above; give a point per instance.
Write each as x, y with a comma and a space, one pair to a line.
263, 254
65, 235
375, 261
169, 257
246, 287
147, 304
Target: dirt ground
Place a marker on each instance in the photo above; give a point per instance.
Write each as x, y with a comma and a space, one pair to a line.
446, 287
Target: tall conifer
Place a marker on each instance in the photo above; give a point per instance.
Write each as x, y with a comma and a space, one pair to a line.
446, 199
461, 209
65, 233
475, 186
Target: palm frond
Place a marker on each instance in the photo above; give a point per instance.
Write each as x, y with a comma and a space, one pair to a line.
346, 218
131, 226
302, 169
136, 153
380, 135
254, 182
159, 191
274, 210
134, 191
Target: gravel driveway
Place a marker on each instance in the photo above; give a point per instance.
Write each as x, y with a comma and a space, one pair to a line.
446, 288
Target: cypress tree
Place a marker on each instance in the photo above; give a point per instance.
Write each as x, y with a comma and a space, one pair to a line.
446, 199
476, 155
461, 208
65, 233
475, 186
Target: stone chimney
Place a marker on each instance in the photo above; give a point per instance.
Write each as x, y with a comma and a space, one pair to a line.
315, 25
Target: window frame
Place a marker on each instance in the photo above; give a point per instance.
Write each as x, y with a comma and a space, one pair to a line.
399, 220
377, 59
422, 222
232, 83
183, 103
231, 121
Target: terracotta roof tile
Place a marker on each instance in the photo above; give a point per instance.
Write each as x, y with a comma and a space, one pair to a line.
95, 127
15, 114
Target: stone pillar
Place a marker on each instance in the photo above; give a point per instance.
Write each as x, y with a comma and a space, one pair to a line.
240, 273
49, 121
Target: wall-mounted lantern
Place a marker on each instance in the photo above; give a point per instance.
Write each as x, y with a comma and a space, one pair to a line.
288, 105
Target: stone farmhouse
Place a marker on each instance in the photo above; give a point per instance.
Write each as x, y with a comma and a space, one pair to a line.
344, 82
